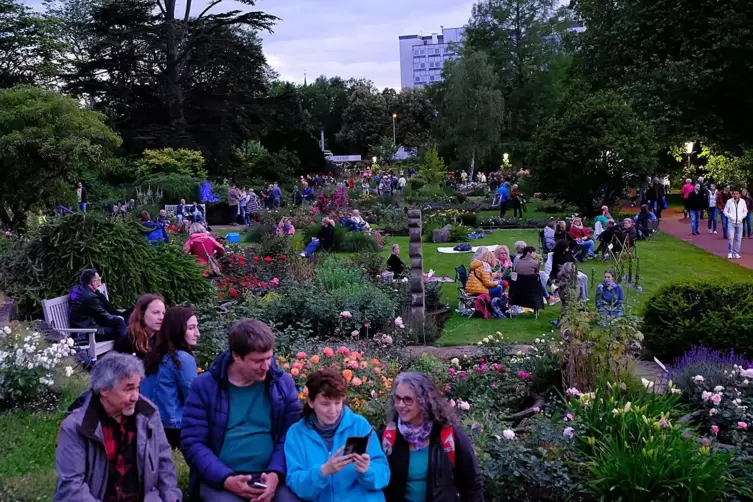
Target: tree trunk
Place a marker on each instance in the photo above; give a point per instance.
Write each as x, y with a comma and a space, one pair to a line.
173, 90
473, 165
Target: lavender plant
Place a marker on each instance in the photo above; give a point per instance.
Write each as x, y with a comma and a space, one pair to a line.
714, 365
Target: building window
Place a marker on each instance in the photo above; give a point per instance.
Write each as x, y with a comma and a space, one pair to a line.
431, 78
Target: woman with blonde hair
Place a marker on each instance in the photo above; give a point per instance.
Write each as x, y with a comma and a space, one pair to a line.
143, 326
202, 245
480, 280
503, 267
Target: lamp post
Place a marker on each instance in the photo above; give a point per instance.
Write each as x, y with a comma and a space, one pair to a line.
689, 151
394, 136
373, 160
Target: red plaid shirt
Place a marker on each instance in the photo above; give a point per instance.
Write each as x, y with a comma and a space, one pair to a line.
123, 483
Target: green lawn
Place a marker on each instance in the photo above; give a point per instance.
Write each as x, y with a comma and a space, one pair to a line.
664, 260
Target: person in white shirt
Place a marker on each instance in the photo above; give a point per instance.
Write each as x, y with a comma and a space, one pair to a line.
736, 210
401, 183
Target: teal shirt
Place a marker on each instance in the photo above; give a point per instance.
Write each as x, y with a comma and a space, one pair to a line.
418, 468
602, 219
248, 441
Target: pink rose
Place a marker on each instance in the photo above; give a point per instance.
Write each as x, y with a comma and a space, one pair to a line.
716, 399
742, 425
714, 429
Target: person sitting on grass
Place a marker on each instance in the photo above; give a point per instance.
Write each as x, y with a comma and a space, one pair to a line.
519, 247
628, 229
480, 279
641, 221
331, 474
154, 232
394, 263
560, 257
325, 239
561, 233
609, 297
201, 245
285, 227
549, 231
362, 224
90, 309
113, 446
582, 236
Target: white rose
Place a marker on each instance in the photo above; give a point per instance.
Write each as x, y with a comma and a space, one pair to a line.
69, 341
508, 434
718, 388
747, 373
6, 330
68, 371
698, 379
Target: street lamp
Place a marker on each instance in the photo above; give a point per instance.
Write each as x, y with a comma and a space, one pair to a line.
394, 116
689, 151
373, 160
505, 156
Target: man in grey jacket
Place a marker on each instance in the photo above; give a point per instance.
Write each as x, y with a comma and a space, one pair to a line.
113, 447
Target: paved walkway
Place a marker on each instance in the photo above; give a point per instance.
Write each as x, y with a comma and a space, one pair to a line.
675, 225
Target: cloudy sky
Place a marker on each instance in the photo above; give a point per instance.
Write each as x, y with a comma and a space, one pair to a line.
349, 38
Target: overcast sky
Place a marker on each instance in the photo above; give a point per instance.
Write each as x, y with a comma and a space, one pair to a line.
349, 38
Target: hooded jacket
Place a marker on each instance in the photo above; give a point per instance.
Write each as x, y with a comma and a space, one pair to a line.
306, 452
81, 459
206, 413
202, 246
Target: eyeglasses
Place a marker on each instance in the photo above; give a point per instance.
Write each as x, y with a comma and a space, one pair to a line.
407, 401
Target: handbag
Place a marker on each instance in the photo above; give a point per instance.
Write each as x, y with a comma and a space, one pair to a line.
213, 266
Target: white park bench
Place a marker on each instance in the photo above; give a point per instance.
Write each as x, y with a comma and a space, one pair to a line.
170, 208
56, 315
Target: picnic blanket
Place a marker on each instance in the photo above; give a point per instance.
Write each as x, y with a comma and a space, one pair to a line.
473, 250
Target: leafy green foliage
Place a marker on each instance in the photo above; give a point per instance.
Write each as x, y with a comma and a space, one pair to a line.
183, 162
592, 151
432, 169
48, 265
47, 141
383, 150
365, 119
173, 187
681, 315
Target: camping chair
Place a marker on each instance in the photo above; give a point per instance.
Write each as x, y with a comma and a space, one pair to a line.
466, 302
653, 230
621, 247
525, 291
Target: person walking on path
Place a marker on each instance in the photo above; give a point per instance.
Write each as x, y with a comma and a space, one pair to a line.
695, 204
744, 195
721, 202
83, 196
736, 211
687, 188
711, 193
233, 201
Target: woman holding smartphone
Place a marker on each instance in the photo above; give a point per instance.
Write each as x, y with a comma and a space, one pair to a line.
333, 454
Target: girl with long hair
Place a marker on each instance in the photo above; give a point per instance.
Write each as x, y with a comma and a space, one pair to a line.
170, 368
318, 467
143, 325
430, 455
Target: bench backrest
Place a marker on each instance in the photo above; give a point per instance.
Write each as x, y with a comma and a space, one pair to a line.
55, 311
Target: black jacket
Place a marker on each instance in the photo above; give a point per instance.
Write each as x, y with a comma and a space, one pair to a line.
465, 483
698, 201
126, 345
395, 265
90, 309
326, 237
557, 261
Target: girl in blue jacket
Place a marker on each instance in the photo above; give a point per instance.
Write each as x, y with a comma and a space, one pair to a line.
171, 368
318, 469
609, 297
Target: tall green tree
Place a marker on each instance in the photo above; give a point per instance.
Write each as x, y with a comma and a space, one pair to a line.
470, 119
47, 143
685, 64
366, 119
325, 101
592, 151
415, 116
524, 41
28, 46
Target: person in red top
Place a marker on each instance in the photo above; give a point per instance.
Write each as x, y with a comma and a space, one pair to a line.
202, 245
582, 236
687, 189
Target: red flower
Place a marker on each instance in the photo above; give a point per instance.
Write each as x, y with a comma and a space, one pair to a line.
365, 325
282, 257
242, 260
268, 259
256, 258
233, 293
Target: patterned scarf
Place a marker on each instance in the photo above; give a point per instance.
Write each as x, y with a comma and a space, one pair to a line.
416, 435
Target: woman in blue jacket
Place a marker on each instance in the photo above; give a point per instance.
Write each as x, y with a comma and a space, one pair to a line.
171, 368
609, 297
318, 469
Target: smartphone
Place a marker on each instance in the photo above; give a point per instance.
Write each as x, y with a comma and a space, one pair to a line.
357, 444
256, 483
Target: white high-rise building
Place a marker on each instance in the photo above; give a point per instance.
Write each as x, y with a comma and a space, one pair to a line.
422, 57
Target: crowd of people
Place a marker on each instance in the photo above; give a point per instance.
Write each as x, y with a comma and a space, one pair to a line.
733, 206
242, 429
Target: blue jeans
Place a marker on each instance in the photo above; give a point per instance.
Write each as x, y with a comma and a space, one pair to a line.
712, 217
311, 248
544, 279
748, 224
82, 207
724, 223
695, 216
495, 292
588, 246
734, 237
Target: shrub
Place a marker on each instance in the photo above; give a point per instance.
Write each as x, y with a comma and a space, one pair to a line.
345, 242
333, 274
28, 365
700, 360
168, 161
373, 263
680, 315
48, 265
172, 186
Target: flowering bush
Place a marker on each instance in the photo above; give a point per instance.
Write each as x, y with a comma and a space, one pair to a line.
369, 379
28, 364
714, 365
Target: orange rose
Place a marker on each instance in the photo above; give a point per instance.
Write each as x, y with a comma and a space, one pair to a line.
315, 359
348, 375
375, 362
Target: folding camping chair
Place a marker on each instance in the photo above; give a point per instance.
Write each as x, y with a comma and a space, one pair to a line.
652, 230
466, 302
621, 248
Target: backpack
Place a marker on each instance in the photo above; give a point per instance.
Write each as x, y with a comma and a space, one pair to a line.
463, 246
446, 435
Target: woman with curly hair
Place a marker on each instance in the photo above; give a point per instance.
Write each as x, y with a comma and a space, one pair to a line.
170, 368
143, 325
430, 455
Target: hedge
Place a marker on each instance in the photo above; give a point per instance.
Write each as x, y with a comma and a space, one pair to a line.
684, 314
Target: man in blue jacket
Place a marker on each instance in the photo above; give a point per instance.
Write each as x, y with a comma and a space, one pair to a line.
235, 420
504, 194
